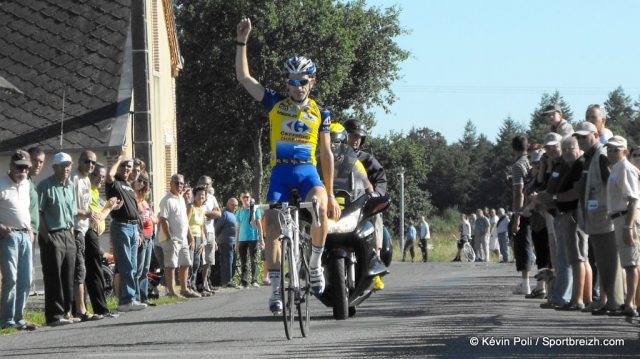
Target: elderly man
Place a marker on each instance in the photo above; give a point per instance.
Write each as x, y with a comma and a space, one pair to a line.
58, 209
481, 242
225, 228
553, 114
174, 224
16, 238
623, 193
597, 115
594, 220
125, 227
82, 186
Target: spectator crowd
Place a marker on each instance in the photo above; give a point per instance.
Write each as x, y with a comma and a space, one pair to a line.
66, 213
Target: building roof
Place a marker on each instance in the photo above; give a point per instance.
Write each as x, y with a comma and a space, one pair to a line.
71, 49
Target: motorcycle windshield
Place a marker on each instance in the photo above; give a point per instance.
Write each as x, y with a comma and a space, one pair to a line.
347, 223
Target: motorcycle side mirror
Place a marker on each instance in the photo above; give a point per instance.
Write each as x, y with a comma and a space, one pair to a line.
375, 205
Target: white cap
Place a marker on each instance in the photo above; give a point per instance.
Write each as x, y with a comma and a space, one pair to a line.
61, 157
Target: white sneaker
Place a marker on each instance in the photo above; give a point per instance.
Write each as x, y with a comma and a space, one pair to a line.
275, 303
316, 277
131, 307
520, 289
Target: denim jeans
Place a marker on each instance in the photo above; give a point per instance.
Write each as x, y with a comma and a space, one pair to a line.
124, 237
15, 264
226, 262
503, 240
145, 251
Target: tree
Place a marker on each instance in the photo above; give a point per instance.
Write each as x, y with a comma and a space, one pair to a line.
539, 126
352, 45
393, 152
620, 115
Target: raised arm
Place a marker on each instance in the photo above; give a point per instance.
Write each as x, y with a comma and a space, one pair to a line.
242, 64
111, 176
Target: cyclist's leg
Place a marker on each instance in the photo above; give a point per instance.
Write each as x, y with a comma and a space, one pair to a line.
310, 186
278, 192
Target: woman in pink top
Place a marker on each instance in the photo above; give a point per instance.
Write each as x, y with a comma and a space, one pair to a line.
145, 248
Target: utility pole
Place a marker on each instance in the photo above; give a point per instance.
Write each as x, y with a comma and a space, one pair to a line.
401, 174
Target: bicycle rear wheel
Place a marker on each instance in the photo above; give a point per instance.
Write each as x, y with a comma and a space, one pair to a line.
305, 289
286, 286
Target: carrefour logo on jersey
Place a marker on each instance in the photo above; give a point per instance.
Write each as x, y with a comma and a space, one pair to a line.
296, 126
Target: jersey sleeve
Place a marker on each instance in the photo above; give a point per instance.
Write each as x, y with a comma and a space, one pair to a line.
271, 98
325, 122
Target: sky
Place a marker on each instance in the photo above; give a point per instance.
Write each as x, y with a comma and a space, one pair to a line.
486, 60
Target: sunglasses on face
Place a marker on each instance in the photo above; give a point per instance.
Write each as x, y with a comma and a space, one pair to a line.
23, 167
297, 83
89, 162
245, 197
614, 149
580, 137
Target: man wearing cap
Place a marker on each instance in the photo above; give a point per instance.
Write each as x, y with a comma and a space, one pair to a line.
58, 209
125, 228
597, 115
16, 239
553, 114
594, 220
560, 293
623, 193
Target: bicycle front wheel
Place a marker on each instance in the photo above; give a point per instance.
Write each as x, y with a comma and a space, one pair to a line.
305, 289
286, 285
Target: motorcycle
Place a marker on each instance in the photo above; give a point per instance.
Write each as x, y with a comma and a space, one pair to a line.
349, 260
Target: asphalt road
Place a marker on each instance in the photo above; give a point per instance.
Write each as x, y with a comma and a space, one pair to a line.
425, 310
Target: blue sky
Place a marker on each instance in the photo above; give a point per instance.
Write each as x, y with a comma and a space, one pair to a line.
486, 60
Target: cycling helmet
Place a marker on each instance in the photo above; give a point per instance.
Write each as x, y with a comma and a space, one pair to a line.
356, 127
299, 65
338, 133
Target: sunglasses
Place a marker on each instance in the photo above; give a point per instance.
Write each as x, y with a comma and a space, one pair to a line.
613, 149
243, 197
580, 137
297, 83
89, 162
23, 167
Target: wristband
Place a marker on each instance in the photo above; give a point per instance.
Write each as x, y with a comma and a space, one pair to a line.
627, 227
332, 196
238, 43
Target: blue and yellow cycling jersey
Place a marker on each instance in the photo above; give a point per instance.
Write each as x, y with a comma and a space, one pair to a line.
294, 129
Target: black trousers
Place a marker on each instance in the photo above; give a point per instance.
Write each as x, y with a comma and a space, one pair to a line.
250, 249
58, 257
95, 281
424, 249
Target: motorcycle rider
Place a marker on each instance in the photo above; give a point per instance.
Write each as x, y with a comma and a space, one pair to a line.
357, 135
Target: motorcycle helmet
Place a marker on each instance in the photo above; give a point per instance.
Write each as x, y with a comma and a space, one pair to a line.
357, 128
338, 133
299, 65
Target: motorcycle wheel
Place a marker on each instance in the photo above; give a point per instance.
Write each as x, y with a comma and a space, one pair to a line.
339, 290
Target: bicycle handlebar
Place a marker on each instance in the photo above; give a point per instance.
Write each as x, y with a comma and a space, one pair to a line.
312, 206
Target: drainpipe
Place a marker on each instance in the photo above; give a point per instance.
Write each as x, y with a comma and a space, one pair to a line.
141, 113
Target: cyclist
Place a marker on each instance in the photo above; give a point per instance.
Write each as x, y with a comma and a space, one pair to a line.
297, 128
357, 134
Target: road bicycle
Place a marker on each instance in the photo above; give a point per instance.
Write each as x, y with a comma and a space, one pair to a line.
295, 285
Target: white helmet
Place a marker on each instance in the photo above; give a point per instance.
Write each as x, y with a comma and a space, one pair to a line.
299, 65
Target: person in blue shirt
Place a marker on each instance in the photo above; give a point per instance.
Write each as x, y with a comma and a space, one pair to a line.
248, 233
410, 242
225, 228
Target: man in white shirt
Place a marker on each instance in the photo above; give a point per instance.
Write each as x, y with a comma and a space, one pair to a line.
174, 225
16, 238
623, 192
425, 234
